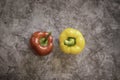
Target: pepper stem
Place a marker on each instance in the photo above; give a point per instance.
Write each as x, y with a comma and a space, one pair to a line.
46, 38
70, 41
44, 41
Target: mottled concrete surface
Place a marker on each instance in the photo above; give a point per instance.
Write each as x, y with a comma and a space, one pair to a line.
98, 20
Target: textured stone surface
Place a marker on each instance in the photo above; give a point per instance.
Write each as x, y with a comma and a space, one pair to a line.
98, 20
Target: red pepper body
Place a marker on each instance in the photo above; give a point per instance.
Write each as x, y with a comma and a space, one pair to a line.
41, 50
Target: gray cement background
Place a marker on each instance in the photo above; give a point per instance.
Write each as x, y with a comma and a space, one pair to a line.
98, 20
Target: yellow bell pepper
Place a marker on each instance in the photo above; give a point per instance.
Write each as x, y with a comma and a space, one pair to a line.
71, 41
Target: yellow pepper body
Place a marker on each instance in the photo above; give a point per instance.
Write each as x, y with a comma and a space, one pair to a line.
71, 41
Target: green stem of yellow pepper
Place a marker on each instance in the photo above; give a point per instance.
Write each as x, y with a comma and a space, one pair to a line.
70, 41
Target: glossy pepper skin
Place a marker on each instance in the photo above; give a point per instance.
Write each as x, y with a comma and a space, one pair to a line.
71, 41
40, 45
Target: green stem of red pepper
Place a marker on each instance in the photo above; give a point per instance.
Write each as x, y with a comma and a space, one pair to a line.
44, 40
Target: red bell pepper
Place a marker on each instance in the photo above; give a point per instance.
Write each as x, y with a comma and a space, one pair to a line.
42, 42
